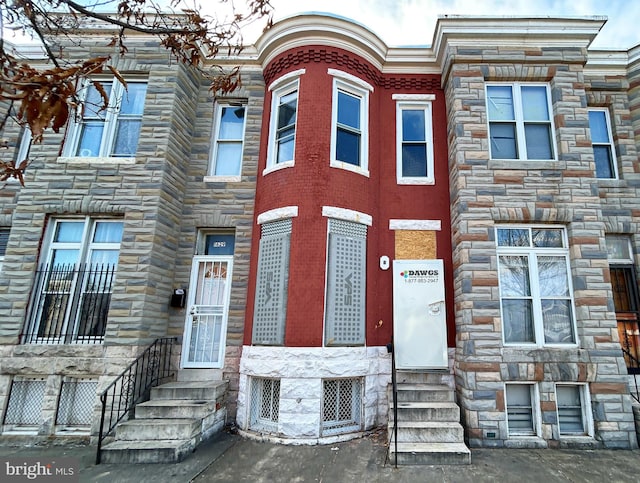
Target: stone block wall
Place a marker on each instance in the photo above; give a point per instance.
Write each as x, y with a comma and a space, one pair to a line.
488, 192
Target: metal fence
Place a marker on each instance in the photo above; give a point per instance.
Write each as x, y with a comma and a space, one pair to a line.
69, 304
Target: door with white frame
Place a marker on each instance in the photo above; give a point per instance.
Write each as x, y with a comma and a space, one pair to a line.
207, 312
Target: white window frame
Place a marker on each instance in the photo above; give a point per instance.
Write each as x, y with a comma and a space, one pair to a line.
534, 398
216, 142
5, 233
531, 252
284, 86
353, 86
111, 116
421, 103
521, 146
610, 145
585, 408
85, 248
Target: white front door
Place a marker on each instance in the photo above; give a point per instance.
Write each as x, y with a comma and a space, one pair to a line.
205, 327
419, 316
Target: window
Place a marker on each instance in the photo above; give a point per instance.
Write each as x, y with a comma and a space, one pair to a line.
74, 283
346, 284
341, 406
24, 411
521, 413
265, 404
414, 141
572, 401
4, 240
601, 140
535, 290
625, 297
520, 122
76, 403
284, 114
350, 120
272, 283
229, 135
113, 131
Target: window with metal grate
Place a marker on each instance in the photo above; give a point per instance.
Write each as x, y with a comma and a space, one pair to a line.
24, 410
265, 404
76, 403
341, 406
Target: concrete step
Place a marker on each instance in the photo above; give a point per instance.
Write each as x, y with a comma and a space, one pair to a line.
422, 392
195, 390
427, 432
158, 429
158, 451
174, 409
425, 411
431, 454
424, 377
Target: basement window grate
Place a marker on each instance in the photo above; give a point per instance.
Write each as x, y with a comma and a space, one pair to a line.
265, 404
24, 410
76, 403
341, 406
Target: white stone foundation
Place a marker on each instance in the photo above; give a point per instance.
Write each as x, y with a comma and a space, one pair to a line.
301, 371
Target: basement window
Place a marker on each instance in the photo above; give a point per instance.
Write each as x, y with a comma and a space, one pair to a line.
341, 406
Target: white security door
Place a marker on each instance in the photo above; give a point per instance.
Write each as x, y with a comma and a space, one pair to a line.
206, 324
419, 316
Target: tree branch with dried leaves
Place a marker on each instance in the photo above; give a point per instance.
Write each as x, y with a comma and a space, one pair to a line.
42, 98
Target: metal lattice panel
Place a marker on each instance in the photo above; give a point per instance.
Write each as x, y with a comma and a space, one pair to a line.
341, 406
272, 282
275, 228
25, 402
348, 228
265, 404
77, 399
346, 286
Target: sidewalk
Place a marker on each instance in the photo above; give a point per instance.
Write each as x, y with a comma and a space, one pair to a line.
232, 459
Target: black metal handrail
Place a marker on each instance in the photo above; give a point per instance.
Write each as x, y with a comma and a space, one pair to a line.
629, 330
133, 386
631, 358
69, 304
394, 389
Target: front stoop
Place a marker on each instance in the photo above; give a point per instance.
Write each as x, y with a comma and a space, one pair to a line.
429, 429
168, 427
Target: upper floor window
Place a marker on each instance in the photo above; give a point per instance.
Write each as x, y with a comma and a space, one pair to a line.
414, 139
350, 122
228, 142
535, 289
284, 114
602, 142
113, 131
4, 240
520, 122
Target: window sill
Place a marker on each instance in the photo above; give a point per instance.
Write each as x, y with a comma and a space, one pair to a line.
278, 167
350, 167
96, 160
222, 179
526, 164
416, 181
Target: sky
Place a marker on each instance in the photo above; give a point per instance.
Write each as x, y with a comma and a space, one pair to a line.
412, 22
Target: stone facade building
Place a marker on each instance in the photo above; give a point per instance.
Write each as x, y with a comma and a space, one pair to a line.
272, 232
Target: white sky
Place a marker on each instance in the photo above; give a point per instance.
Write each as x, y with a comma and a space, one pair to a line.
412, 22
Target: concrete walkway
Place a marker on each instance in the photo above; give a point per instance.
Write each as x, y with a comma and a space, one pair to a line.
233, 459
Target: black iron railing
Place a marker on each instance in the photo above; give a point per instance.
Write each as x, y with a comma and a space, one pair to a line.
394, 389
69, 304
133, 386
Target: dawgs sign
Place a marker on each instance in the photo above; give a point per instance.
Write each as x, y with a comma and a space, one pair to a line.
419, 317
